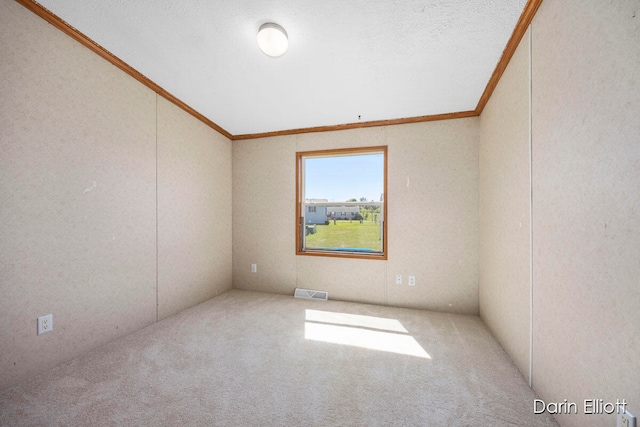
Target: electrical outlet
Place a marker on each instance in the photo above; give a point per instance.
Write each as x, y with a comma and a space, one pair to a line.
412, 280
626, 419
45, 324
399, 279
254, 268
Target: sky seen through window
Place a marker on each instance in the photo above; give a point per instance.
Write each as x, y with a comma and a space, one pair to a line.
340, 178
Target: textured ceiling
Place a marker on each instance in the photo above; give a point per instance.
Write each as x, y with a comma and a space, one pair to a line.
348, 61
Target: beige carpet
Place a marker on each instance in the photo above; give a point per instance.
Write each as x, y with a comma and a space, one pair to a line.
253, 359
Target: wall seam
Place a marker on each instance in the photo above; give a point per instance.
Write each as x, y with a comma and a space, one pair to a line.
157, 227
479, 220
386, 213
530, 216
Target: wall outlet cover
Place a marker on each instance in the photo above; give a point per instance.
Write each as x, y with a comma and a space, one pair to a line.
626, 419
45, 324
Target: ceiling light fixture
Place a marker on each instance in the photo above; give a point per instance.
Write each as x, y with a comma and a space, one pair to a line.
273, 39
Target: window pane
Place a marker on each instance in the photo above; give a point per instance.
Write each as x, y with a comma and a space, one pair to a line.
361, 233
330, 224
340, 178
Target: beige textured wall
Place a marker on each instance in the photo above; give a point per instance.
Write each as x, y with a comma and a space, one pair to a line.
264, 214
586, 210
78, 199
433, 218
433, 212
194, 211
504, 210
586, 206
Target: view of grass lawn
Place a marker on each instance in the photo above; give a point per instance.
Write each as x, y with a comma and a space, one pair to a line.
345, 234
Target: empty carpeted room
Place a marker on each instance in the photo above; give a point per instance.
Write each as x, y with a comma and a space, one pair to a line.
157, 213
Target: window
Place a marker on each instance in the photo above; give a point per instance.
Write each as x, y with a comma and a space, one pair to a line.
341, 203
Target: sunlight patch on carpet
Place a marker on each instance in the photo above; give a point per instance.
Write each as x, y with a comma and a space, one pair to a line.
374, 333
354, 320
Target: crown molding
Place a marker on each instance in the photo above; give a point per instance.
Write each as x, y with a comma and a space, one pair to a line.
526, 17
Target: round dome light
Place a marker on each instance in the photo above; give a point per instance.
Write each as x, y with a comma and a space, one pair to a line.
273, 39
